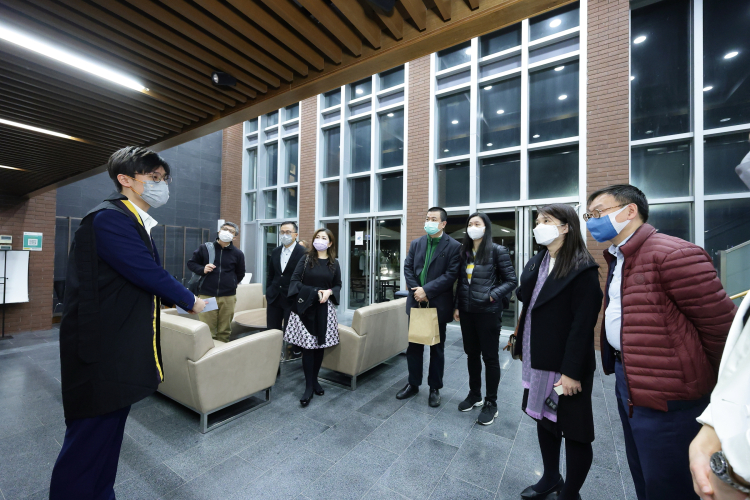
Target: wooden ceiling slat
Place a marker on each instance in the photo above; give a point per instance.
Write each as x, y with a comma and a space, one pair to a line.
444, 8
228, 16
260, 17
357, 15
290, 13
393, 21
334, 24
473, 4
417, 11
37, 141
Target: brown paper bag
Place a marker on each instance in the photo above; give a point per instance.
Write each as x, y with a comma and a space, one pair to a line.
423, 325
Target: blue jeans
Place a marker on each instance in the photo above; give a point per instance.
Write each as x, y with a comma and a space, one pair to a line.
656, 443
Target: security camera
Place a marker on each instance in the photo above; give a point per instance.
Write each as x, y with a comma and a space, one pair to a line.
221, 79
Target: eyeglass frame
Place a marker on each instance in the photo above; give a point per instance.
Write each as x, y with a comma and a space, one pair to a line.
287, 233
587, 216
166, 178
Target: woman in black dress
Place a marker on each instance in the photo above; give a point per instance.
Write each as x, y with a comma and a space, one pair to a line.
314, 292
561, 301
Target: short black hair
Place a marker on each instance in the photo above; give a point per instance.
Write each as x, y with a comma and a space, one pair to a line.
296, 229
134, 160
624, 194
443, 213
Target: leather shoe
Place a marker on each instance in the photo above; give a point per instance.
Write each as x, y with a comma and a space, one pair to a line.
319, 392
305, 402
407, 392
434, 398
531, 493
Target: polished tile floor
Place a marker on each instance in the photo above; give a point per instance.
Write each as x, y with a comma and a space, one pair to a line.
363, 444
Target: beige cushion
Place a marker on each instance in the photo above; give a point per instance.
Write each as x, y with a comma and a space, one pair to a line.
249, 296
255, 318
171, 311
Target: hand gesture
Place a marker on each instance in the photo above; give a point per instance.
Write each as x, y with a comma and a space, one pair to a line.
419, 294
570, 386
199, 305
324, 295
455, 315
208, 268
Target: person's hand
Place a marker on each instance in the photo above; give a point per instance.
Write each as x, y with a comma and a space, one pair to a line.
570, 386
705, 444
419, 294
455, 315
199, 305
208, 268
324, 295
491, 299
722, 491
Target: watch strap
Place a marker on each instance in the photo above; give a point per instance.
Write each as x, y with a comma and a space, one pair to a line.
724, 473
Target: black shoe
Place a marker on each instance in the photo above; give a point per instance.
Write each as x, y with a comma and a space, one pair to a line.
318, 389
434, 398
531, 493
305, 402
470, 403
488, 413
407, 392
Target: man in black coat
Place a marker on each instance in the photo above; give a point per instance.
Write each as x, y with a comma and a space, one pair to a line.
430, 270
284, 259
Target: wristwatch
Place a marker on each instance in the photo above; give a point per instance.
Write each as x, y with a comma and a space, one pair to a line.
720, 467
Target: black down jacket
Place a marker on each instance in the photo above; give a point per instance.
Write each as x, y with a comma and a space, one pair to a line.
496, 279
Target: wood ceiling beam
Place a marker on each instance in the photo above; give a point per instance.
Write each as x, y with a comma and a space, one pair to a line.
473, 4
417, 11
33, 141
357, 15
334, 24
393, 21
444, 8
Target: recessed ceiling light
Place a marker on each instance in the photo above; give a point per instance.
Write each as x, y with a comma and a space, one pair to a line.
632, 78
468, 52
359, 91
649, 131
488, 87
563, 97
40, 130
500, 111
390, 115
504, 230
640, 39
725, 120
43, 48
555, 23
536, 136
13, 168
489, 144
455, 122
707, 88
559, 68
731, 55
445, 150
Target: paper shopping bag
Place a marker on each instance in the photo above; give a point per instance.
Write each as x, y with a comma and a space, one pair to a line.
423, 325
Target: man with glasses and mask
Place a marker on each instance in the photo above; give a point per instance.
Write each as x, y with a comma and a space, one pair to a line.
666, 319
221, 279
284, 260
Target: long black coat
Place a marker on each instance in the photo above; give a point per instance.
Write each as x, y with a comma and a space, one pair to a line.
277, 281
495, 278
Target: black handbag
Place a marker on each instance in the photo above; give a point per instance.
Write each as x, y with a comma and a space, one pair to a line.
513, 346
294, 298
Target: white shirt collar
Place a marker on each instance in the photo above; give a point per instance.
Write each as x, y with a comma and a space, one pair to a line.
290, 248
614, 249
148, 221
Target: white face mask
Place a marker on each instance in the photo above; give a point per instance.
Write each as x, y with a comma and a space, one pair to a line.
226, 236
544, 234
475, 233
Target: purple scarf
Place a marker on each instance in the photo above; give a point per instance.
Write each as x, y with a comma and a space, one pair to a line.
539, 382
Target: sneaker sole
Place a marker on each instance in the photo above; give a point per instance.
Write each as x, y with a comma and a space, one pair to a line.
475, 405
490, 422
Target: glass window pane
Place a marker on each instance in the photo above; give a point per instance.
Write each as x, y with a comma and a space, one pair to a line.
553, 172
553, 22
251, 207
290, 203
453, 184
360, 146
362, 88
252, 168
270, 204
725, 64
453, 125
392, 191
661, 170
359, 196
458, 54
291, 159
500, 40
674, 219
554, 50
332, 98
500, 179
391, 78
292, 112
392, 139
553, 103
722, 154
727, 225
331, 150
252, 126
660, 69
272, 119
330, 199
272, 162
500, 114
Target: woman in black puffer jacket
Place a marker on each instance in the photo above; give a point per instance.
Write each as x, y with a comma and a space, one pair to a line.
485, 281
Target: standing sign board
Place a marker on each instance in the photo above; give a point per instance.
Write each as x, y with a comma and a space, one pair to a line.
32, 241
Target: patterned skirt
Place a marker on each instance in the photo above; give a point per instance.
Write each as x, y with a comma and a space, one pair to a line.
297, 334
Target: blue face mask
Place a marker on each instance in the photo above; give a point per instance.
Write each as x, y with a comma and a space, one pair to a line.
605, 228
431, 227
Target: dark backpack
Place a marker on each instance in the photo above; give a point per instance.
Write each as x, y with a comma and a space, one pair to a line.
196, 281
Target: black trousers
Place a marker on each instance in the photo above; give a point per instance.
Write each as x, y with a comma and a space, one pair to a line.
87, 465
481, 334
414, 354
277, 314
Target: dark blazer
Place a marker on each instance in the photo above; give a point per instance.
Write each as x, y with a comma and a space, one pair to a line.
495, 278
563, 318
441, 275
277, 281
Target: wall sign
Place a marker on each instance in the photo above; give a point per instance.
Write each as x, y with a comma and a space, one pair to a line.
32, 241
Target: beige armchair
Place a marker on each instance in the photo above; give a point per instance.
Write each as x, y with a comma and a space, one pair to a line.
378, 333
207, 375
250, 310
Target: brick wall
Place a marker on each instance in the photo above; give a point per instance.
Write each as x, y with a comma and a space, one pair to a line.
308, 153
418, 148
608, 119
31, 215
231, 174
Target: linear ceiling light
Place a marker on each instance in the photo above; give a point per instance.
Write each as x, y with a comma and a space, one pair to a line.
13, 168
40, 130
43, 48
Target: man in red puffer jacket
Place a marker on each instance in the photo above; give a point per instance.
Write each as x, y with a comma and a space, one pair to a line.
666, 319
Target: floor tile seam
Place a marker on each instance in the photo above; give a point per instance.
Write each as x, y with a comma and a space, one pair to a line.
510, 453
474, 484
173, 472
612, 432
2, 495
452, 458
26, 348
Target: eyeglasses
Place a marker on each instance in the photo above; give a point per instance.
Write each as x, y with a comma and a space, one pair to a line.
598, 213
286, 233
157, 177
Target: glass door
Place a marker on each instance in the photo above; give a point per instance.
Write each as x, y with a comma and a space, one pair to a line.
505, 232
270, 239
387, 257
359, 239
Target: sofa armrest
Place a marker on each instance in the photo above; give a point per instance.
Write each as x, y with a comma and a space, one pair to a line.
346, 357
235, 370
265, 303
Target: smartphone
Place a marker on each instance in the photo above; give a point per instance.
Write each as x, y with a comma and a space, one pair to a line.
559, 390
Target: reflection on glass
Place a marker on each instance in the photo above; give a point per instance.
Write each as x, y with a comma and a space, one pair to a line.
504, 233
330, 199
291, 159
725, 75
661, 170
272, 119
553, 103
722, 155
387, 259
361, 88
359, 195
553, 22
272, 162
252, 168
727, 225
453, 125
290, 203
660, 69
270, 241
392, 191
392, 139
458, 54
252, 125
270, 204
500, 40
359, 155
500, 114
331, 150
453, 184
251, 207
391, 78
553, 172
500, 179
292, 112
674, 219
332, 98
359, 264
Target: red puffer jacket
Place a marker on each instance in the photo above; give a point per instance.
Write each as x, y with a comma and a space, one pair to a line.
675, 320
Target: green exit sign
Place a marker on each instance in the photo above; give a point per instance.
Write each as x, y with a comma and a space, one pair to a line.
32, 241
